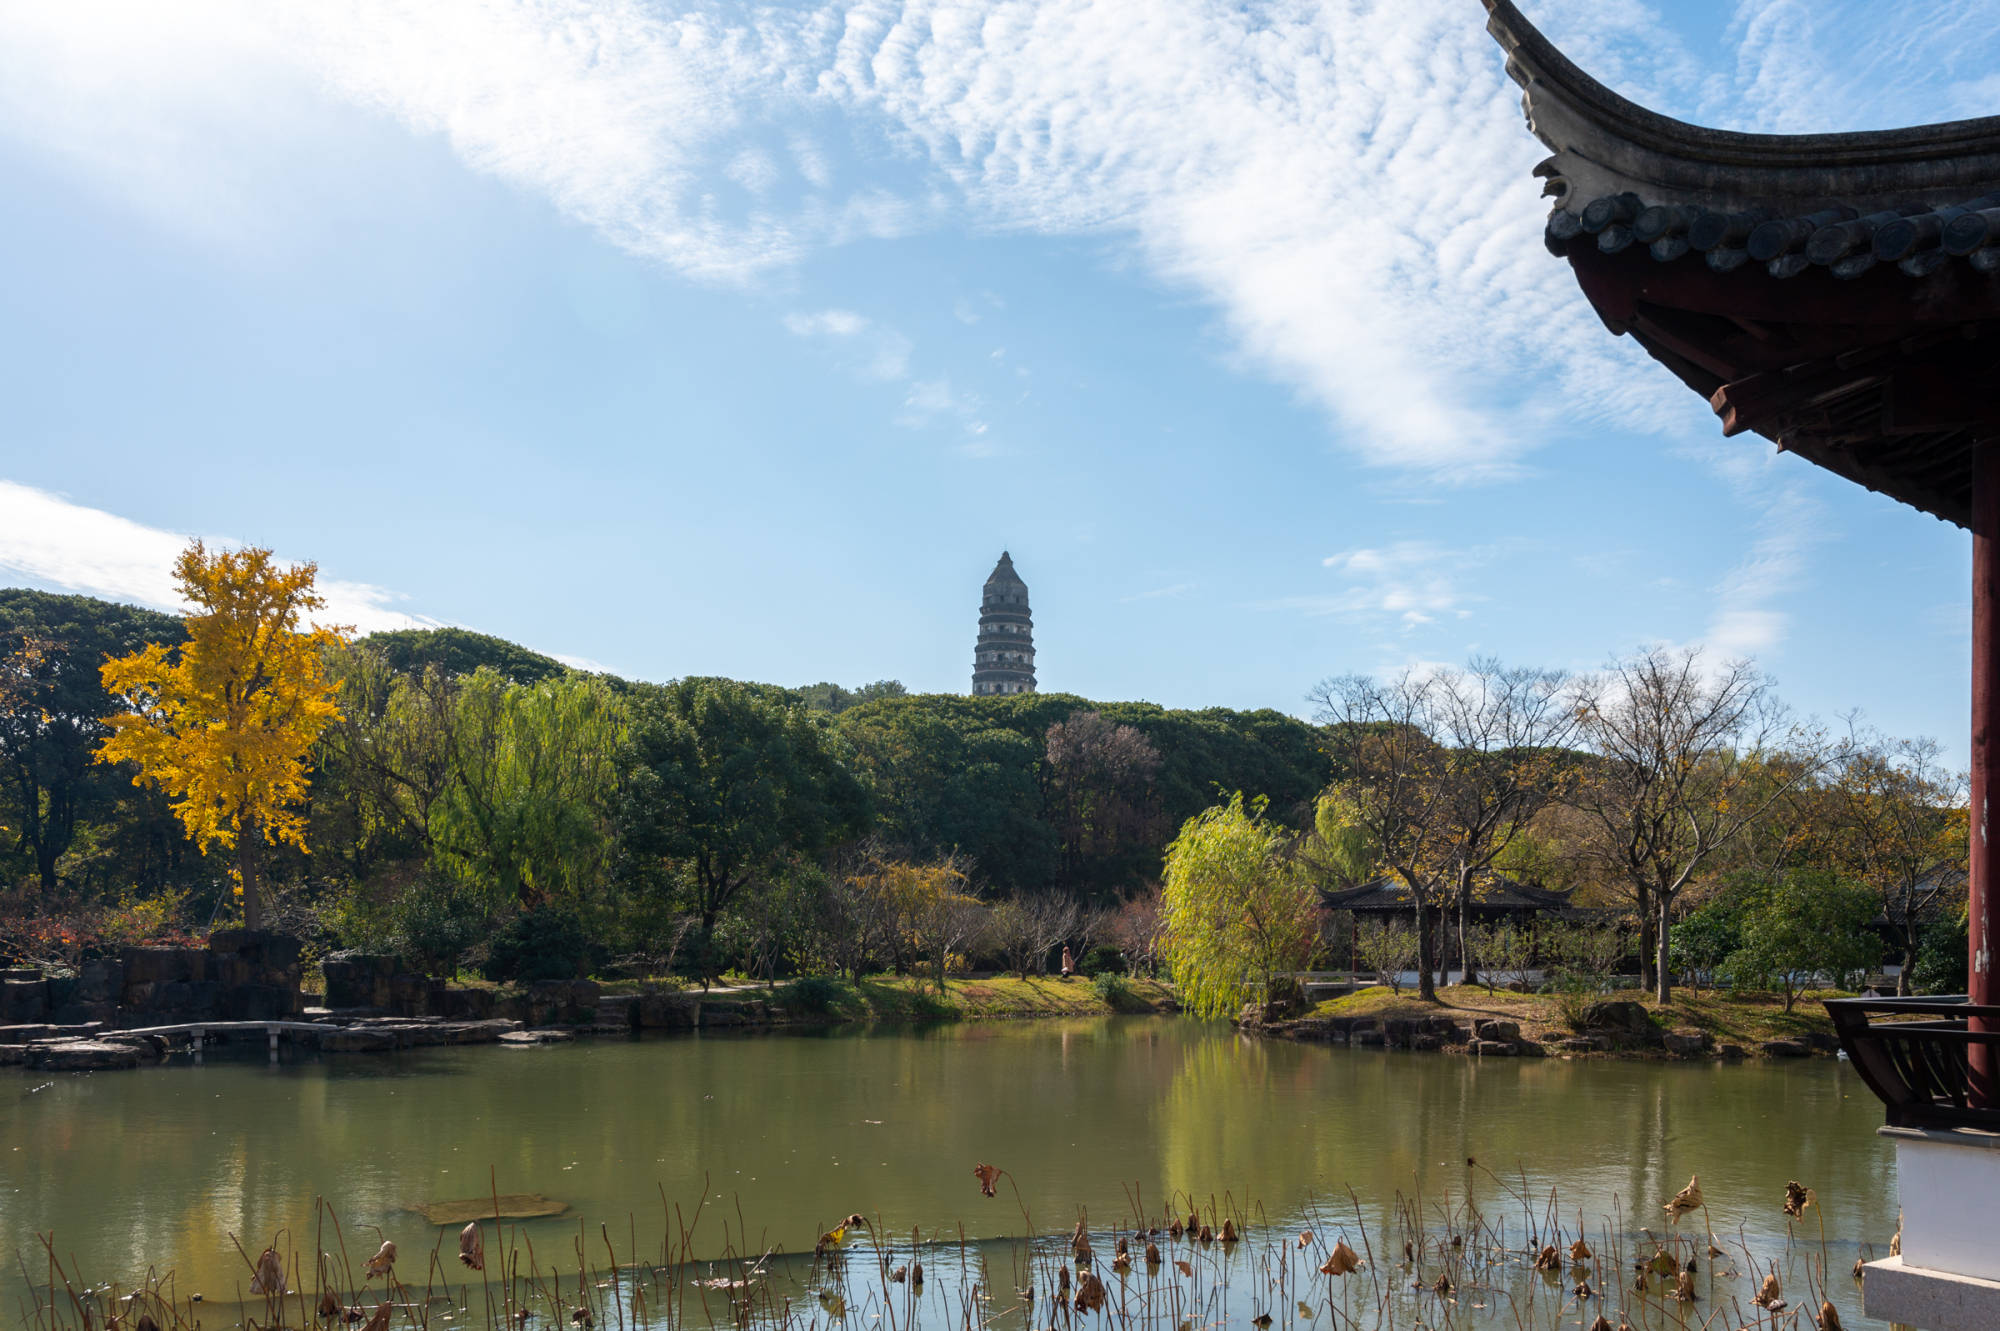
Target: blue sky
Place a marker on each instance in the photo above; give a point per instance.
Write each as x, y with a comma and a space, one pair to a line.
718, 339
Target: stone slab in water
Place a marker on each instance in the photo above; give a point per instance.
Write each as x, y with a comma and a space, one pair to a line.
544, 1035
512, 1206
84, 1056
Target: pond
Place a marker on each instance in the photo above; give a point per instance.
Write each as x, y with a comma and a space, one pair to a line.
1120, 1117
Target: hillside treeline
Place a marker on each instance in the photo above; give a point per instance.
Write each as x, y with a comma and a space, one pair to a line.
473, 787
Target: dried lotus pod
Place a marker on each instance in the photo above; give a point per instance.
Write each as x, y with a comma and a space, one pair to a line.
472, 1247
381, 1264
269, 1276
1341, 1261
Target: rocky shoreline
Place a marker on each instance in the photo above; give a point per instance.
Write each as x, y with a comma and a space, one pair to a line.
1610, 1029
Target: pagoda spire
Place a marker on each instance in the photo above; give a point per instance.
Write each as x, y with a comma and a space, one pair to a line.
1004, 659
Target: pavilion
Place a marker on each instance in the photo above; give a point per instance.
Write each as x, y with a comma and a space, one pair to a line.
1838, 294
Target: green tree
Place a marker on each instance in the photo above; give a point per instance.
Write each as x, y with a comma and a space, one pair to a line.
1808, 923
461, 652
1236, 909
51, 707
728, 783
527, 815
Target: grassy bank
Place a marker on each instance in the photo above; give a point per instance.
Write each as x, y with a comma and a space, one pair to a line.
891, 998
1746, 1019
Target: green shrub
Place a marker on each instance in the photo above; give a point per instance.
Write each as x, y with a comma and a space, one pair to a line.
813, 993
1101, 960
433, 924
544, 943
1115, 991
1942, 962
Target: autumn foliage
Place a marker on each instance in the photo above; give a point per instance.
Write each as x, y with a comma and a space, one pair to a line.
225, 723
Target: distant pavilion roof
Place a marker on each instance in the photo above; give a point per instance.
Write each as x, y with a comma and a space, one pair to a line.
1837, 293
1492, 893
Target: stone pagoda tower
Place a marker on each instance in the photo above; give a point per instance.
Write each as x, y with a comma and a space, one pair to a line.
1004, 660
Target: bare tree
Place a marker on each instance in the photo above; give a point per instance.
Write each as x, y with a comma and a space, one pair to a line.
1443, 770
1025, 928
1684, 760
1901, 828
1136, 929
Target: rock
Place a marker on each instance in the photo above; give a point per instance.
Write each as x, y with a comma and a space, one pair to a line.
1427, 1043
8, 973
1494, 1048
357, 979
1621, 1019
1454, 1033
1496, 1030
23, 1001
100, 981
666, 1012
722, 1014
1580, 1044
83, 1056
1731, 1051
1686, 1043
521, 1039
1783, 1049
84, 1014
478, 1032
360, 1040
1530, 1049
1365, 1035
260, 1002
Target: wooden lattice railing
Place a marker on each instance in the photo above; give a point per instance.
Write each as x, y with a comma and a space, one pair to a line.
1916, 1054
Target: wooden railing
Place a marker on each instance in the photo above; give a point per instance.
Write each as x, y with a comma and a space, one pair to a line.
1916, 1054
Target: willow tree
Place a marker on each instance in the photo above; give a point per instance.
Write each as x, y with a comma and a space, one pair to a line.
225, 722
1236, 911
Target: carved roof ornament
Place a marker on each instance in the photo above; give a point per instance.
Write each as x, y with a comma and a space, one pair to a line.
1836, 293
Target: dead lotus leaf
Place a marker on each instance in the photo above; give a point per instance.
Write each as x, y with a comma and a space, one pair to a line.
269, 1277
472, 1246
380, 1321
899, 1275
1079, 1241
1797, 1198
1684, 1287
1829, 1317
1306, 1310
1121, 1261
1443, 1285
1194, 1222
1584, 1291
1859, 1264
329, 1306
1207, 1235
1305, 1238
1121, 1249
1687, 1199
1548, 1259
917, 1273
1602, 1323
1663, 1263
581, 1317
1062, 1278
383, 1262
988, 1175
1341, 1261
1640, 1285
1770, 1292
145, 1323
1579, 1252
1260, 1321
1174, 1229
507, 1206
1152, 1254
1089, 1293
1185, 1268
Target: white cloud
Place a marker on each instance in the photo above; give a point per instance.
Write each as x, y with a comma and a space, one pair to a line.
885, 353
1408, 584
52, 541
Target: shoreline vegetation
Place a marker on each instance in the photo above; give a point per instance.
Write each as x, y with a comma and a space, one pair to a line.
1622, 1024
1480, 1251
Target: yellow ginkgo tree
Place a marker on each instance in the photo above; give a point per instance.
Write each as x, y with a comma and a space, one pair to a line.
225, 722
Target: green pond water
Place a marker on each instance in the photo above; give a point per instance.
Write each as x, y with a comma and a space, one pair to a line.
156, 1168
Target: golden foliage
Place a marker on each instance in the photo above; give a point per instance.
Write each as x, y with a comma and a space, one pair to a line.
224, 724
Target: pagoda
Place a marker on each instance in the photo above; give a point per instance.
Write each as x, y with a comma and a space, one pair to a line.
1004, 660
1839, 295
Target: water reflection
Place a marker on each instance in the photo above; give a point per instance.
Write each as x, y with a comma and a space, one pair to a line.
159, 1167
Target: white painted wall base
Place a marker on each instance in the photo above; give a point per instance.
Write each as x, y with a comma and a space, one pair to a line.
1949, 1184
1895, 1291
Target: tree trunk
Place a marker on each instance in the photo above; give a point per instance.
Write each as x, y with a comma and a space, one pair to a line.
1665, 990
1648, 940
1426, 950
246, 867
1464, 938
1903, 975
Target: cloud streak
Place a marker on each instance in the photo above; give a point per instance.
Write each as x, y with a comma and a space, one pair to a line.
48, 540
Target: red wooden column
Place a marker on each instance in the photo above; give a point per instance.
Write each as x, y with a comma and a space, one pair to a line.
1984, 885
